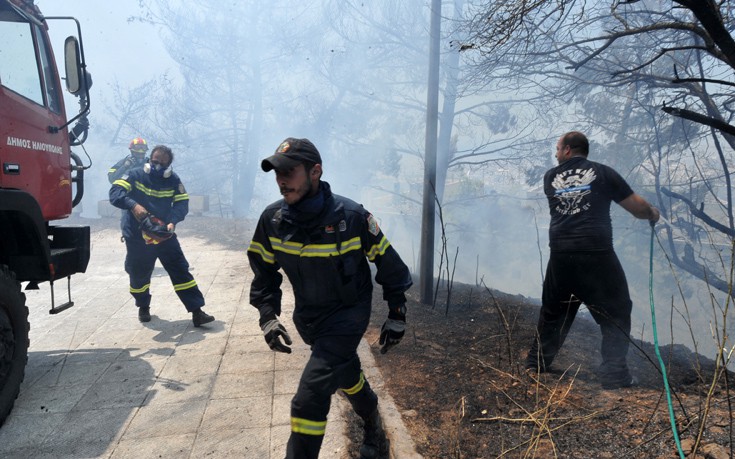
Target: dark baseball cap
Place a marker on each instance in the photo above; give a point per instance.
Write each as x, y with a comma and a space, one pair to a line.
290, 153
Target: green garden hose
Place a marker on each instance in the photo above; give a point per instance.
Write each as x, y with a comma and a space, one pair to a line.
658, 352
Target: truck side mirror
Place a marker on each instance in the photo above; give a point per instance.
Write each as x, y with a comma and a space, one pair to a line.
74, 82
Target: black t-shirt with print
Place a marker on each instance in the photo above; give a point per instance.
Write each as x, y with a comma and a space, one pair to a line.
579, 193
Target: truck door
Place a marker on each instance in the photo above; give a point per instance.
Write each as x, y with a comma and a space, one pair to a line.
33, 159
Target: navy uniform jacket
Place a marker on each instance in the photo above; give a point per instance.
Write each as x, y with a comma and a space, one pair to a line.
124, 166
326, 263
165, 198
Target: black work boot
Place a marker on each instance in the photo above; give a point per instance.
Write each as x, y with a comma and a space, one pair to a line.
630, 381
374, 443
200, 317
144, 314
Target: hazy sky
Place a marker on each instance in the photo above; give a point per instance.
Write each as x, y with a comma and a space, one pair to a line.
115, 49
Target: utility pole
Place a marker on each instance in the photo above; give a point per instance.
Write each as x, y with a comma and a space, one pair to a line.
428, 215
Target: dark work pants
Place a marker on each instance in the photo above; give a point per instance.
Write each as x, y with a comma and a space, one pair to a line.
333, 365
597, 280
139, 263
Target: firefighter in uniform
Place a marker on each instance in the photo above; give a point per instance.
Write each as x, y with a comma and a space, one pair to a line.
322, 242
135, 160
156, 192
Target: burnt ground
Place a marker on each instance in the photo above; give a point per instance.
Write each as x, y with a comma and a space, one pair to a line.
458, 379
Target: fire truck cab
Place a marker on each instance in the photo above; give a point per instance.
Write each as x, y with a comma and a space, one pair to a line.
41, 179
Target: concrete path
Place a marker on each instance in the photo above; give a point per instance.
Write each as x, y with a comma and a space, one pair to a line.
99, 384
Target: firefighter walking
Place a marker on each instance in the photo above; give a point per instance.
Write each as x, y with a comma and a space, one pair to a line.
155, 201
323, 242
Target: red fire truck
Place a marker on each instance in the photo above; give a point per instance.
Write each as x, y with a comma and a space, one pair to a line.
41, 178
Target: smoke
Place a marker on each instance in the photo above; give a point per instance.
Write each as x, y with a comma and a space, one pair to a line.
223, 87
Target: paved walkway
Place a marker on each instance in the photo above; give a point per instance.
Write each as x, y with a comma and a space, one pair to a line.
99, 384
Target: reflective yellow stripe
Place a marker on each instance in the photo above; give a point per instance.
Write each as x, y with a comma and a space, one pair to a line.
378, 249
111, 170
304, 426
181, 197
192, 283
292, 248
152, 192
315, 250
350, 245
149, 240
140, 290
122, 183
258, 248
357, 387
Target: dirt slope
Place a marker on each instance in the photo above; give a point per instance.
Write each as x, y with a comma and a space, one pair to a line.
458, 379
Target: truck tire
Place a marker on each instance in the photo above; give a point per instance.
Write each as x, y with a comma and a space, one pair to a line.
14, 341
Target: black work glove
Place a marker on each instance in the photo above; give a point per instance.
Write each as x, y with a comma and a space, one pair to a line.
273, 331
394, 328
391, 334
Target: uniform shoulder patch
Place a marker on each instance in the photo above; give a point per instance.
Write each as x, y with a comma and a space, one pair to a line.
182, 190
373, 227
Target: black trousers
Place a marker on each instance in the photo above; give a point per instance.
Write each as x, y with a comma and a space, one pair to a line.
139, 263
597, 280
333, 365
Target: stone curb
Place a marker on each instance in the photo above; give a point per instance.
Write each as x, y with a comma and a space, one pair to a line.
401, 443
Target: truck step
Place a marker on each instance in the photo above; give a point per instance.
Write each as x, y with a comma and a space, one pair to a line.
65, 261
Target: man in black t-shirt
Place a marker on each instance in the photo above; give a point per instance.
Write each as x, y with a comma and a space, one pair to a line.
583, 267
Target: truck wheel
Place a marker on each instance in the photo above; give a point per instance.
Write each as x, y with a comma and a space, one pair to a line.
13, 340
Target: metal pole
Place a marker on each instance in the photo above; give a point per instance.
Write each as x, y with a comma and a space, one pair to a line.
428, 216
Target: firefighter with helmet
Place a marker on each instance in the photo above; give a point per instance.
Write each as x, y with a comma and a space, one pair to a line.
136, 159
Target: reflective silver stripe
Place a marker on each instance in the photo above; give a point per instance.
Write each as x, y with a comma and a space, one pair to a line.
123, 184
154, 193
315, 250
184, 286
378, 249
258, 248
357, 387
304, 426
140, 290
287, 247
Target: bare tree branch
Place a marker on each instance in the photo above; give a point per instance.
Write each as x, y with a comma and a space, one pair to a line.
708, 14
699, 212
701, 119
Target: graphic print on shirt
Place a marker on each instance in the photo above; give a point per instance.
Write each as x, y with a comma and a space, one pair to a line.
570, 187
